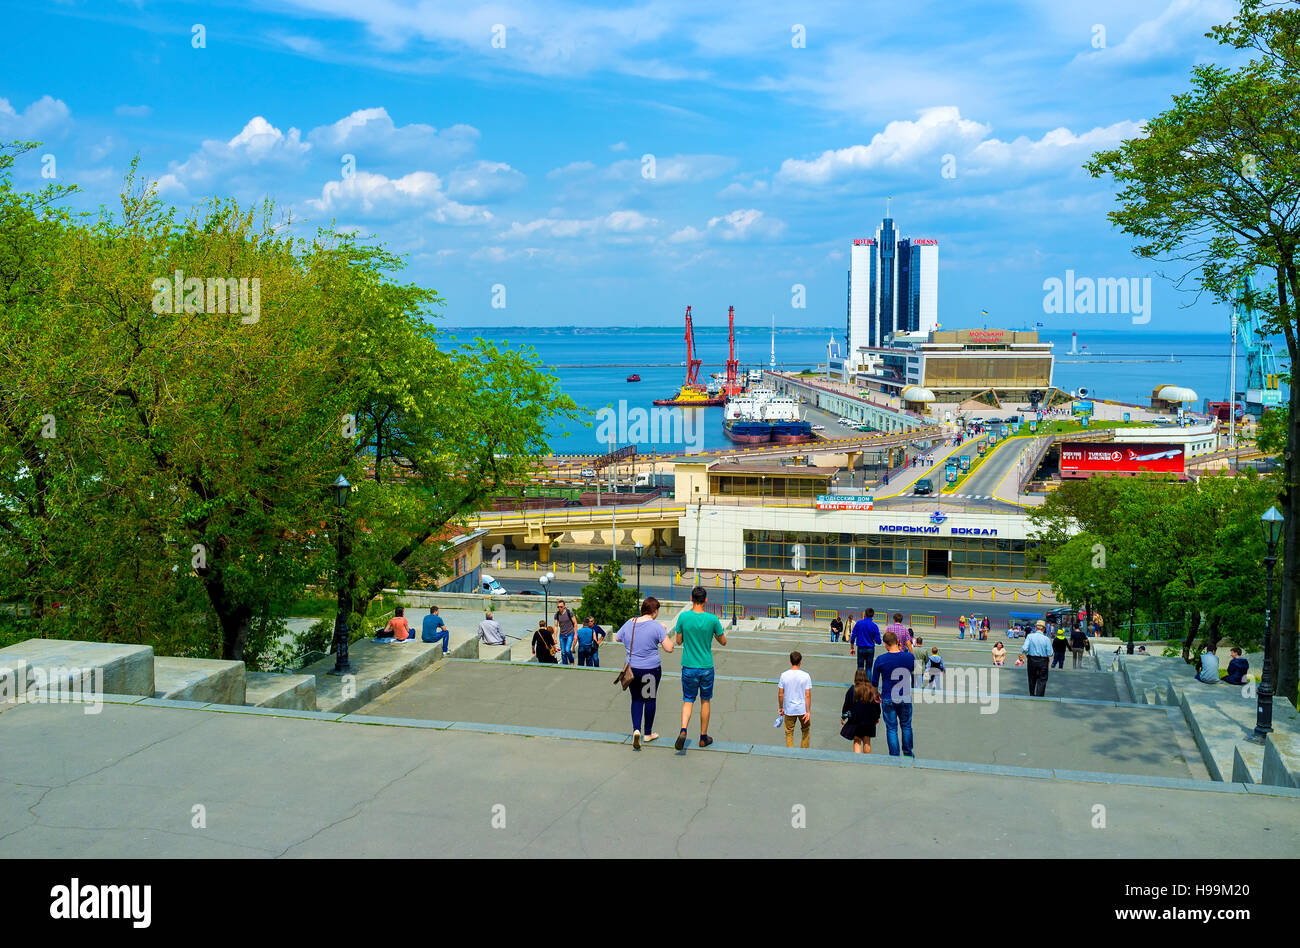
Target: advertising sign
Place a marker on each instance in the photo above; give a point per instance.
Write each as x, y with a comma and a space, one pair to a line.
1081, 458
1015, 428
965, 462
1005, 431
951, 473
1084, 421
1033, 426
1126, 414
983, 446
993, 437
842, 502
1082, 408
793, 608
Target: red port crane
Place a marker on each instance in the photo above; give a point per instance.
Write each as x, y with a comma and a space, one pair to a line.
692, 364
732, 386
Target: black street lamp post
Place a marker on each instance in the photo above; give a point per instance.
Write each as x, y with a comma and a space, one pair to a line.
640, 550
733, 597
782, 582
1087, 609
1271, 523
342, 666
1132, 602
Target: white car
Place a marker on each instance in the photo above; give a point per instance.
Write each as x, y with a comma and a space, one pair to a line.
845, 421
818, 427
588, 472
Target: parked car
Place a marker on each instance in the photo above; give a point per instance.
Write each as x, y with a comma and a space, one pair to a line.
923, 486
588, 472
818, 427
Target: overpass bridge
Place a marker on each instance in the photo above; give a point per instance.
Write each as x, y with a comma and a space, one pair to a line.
878, 440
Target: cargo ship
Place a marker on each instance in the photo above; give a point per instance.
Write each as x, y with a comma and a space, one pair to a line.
762, 416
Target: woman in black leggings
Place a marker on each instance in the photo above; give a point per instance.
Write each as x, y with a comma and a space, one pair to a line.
643, 637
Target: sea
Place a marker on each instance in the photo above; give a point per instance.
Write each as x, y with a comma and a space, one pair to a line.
592, 365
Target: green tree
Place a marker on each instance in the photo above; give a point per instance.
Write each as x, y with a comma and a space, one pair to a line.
606, 598
1215, 181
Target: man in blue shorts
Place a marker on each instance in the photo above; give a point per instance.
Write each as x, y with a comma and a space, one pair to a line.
696, 630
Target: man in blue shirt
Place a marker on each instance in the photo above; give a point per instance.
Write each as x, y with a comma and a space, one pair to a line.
892, 674
1038, 649
1237, 667
433, 629
866, 636
586, 636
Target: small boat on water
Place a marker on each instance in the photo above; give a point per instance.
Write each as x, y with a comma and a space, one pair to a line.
634, 378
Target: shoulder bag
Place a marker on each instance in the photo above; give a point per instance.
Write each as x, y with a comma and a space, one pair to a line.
625, 677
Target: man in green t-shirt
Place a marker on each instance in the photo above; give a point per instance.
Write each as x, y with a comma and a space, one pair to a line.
696, 630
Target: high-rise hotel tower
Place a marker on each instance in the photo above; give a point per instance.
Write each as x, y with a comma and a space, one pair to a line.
893, 287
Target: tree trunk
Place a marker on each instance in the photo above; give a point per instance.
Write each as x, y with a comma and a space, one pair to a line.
1193, 628
1284, 641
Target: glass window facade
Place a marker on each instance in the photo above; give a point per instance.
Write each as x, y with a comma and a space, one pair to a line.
907, 555
770, 485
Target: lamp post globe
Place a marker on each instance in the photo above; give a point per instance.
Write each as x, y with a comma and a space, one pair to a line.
545, 580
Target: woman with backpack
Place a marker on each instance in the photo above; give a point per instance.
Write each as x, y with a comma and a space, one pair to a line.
860, 713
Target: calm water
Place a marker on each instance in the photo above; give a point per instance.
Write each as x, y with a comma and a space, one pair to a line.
593, 382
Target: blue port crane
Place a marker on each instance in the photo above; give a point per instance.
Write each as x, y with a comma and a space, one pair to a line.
1262, 389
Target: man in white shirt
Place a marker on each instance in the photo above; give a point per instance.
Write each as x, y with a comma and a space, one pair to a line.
489, 631
794, 694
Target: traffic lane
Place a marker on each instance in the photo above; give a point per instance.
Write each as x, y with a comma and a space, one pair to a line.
990, 474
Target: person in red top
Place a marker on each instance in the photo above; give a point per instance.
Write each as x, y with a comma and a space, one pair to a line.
397, 626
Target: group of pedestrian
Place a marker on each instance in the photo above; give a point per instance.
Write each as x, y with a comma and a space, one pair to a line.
568, 641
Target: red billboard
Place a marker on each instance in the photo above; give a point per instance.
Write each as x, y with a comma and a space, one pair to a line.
1084, 458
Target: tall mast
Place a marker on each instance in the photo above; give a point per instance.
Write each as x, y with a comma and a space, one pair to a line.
772, 357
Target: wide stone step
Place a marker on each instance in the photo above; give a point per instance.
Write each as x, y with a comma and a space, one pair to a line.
198, 679
378, 666
272, 690
112, 668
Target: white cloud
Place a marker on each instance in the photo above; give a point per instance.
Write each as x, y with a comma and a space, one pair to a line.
748, 224
672, 169
372, 132
43, 116
617, 222
900, 144
618, 146
1058, 145
739, 189
258, 143
1166, 34
133, 111
375, 195
484, 181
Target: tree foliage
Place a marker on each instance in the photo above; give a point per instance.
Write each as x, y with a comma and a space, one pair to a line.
164, 475
1214, 182
606, 598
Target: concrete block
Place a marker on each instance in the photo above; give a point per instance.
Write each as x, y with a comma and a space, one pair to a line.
379, 667
494, 652
198, 679
271, 690
1281, 757
125, 669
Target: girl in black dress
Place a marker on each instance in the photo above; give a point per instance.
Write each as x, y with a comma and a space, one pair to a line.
860, 713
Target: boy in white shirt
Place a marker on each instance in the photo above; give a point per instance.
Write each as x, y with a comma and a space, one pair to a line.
794, 694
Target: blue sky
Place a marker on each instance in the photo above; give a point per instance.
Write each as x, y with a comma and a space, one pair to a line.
518, 157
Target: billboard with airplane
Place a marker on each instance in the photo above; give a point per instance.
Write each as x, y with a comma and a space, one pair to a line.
1084, 457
